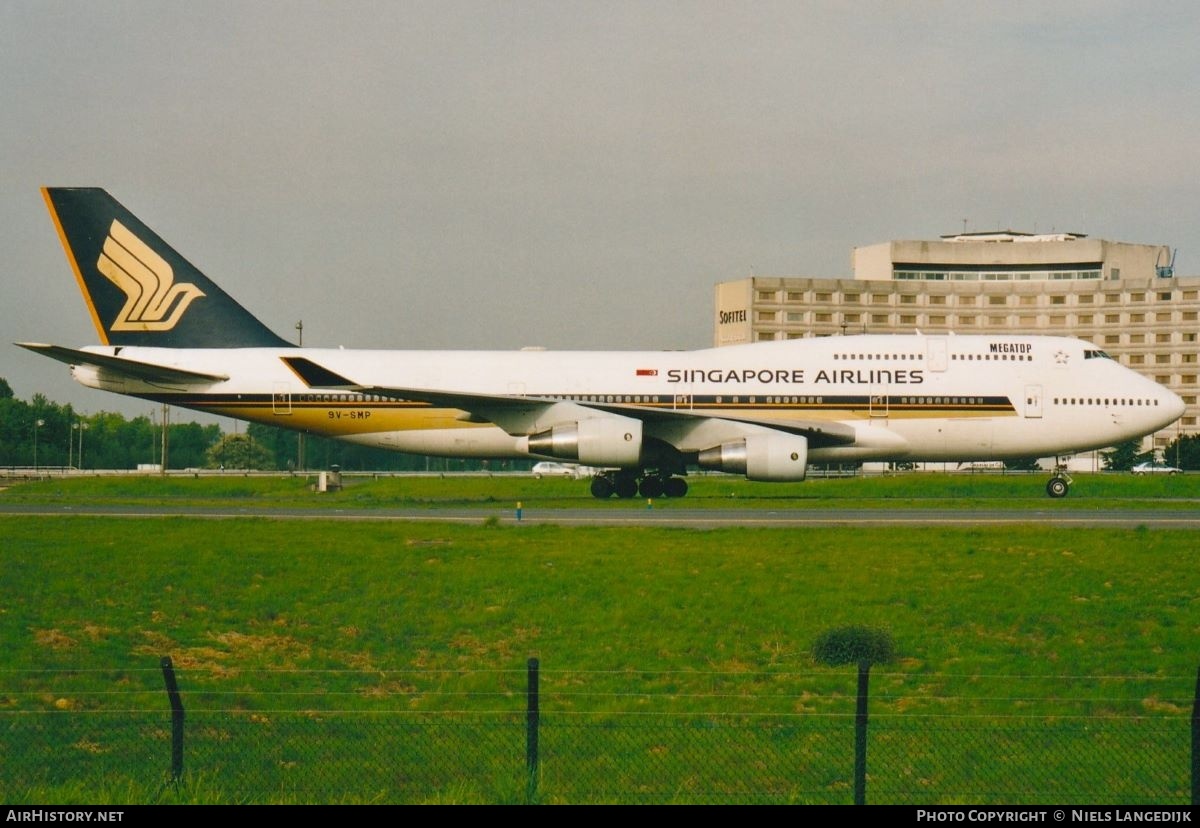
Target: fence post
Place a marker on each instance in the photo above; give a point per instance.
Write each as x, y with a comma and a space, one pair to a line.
862, 646
1196, 743
860, 735
168, 670
531, 732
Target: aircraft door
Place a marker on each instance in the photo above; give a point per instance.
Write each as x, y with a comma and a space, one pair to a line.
1033, 401
281, 399
877, 406
682, 402
936, 353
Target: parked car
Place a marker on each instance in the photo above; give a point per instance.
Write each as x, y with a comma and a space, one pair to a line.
1154, 468
573, 471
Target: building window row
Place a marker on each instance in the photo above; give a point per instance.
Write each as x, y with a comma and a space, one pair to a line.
968, 320
993, 275
827, 297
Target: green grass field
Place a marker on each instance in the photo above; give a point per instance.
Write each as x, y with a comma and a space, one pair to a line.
966, 491
278, 619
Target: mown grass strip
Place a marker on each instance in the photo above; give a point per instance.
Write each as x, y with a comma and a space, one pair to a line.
912, 490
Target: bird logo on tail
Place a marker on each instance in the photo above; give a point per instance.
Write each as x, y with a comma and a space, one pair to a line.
153, 301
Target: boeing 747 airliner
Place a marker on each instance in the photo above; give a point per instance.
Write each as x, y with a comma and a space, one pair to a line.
765, 410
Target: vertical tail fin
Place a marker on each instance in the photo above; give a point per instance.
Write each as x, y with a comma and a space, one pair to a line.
138, 289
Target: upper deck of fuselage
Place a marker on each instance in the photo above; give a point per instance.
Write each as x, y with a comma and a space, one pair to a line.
975, 364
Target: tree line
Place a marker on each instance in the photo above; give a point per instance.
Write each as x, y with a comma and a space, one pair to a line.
43, 433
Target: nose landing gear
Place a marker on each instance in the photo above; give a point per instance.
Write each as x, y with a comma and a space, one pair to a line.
1060, 483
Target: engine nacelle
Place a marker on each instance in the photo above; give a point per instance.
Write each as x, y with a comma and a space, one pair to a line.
603, 441
775, 457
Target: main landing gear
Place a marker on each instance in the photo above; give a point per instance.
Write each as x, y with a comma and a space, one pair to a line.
1060, 484
628, 484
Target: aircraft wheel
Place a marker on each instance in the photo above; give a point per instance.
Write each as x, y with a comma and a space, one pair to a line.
1057, 487
675, 487
651, 486
625, 486
602, 487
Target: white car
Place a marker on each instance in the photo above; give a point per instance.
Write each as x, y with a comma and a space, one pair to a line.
1154, 468
572, 471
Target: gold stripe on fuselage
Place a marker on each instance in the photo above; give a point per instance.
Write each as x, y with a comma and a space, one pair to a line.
347, 418
342, 420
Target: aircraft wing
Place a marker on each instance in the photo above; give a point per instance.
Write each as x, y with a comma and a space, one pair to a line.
513, 413
820, 433
131, 368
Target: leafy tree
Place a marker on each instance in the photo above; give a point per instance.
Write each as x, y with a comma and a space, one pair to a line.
14, 415
1125, 456
189, 444
109, 441
239, 451
112, 442
1183, 452
281, 444
18, 423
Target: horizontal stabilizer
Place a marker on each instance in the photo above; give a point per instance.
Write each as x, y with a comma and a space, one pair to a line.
134, 369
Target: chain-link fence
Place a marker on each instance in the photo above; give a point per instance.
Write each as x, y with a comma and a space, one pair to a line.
551, 753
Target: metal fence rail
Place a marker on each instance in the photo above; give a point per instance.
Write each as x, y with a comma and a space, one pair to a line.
240, 754
398, 757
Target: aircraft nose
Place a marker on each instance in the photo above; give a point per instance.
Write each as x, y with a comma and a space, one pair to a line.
1174, 404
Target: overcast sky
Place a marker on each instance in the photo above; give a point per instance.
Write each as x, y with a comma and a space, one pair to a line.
573, 175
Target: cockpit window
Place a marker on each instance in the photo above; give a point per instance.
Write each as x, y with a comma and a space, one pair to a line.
1092, 354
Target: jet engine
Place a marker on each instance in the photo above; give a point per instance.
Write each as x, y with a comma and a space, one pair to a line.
602, 441
774, 457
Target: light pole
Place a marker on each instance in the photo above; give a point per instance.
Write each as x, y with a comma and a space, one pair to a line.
82, 428
36, 425
300, 435
166, 439
75, 427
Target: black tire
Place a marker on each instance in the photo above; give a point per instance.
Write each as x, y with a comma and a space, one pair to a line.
625, 486
675, 487
602, 488
1057, 487
651, 486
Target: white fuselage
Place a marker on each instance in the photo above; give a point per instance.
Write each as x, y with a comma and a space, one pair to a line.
905, 397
